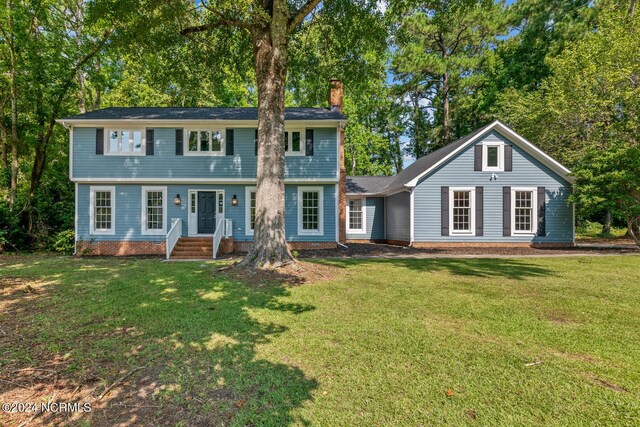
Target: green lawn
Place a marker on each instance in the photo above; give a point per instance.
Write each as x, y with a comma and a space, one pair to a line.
383, 342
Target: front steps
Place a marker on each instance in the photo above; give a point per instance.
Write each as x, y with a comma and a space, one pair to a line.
193, 248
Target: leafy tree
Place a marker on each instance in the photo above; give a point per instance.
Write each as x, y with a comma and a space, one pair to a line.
440, 51
587, 112
270, 24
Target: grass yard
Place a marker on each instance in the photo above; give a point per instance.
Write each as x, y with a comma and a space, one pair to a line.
496, 342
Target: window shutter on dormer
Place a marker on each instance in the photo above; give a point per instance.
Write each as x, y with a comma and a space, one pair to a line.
179, 142
508, 158
229, 143
477, 159
309, 143
100, 141
150, 142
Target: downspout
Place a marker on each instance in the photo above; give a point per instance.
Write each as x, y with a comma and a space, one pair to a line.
411, 215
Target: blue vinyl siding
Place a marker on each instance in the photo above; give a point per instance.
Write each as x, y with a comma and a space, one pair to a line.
527, 172
128, 210
165, 164
375, 220
397, 216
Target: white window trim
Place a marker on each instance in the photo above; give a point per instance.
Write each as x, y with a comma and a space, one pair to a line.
143, 213
223, 142
247, 210
485, 157
92, 210
303, 142
534, 211
107, 142
320, 231
472, 206
362, 230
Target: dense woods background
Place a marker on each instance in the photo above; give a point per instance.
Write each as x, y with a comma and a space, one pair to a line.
417, 75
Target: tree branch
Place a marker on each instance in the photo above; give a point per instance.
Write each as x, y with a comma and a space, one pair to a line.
221, 22
301, 14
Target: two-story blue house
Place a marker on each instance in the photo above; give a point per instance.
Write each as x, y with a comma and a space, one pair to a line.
181, 182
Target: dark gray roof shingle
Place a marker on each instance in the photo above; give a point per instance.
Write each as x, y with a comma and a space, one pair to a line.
367, 184
202, 113
389, 184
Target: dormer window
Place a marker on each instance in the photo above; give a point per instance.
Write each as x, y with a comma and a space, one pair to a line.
493, 157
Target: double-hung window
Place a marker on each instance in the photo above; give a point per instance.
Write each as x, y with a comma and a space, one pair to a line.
126, 142
493, 157
310, 215
462, 211
523, 210
102, 210
250, 212
154, 210
356, 222
293, 143
205, 142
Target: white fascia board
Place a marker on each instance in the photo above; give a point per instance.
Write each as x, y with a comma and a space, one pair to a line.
513, 137
534, 151
199, 180
161, 123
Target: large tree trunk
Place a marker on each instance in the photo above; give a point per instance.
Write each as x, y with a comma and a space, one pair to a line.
606, 227
82, 103
446, 125
633, 226
270, 51
4, 147
13, 91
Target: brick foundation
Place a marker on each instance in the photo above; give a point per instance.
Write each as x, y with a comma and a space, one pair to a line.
120, 248
366, 241
436, 245
293, 246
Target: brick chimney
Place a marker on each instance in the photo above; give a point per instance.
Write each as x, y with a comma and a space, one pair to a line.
335, 103
335, 95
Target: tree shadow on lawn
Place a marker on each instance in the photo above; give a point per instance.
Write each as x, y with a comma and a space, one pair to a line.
507, 268
193, 329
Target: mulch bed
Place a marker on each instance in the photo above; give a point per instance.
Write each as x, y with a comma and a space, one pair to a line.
356, 250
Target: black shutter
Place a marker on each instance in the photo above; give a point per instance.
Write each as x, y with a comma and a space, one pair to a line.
541, 211
150, 142
479, 211
506, 211
444, 211
477, 159
100, 141
229, 142
179, 142
508, 158
255, 141
309, 143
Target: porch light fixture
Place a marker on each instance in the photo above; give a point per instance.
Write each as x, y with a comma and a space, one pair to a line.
177, 200
234, 201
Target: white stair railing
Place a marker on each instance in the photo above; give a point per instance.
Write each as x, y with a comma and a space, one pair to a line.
217, 236
173, 235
